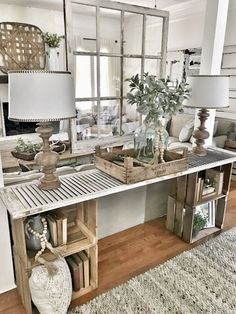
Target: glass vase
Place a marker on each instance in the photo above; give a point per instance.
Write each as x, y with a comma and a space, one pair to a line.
150, 142
144, 139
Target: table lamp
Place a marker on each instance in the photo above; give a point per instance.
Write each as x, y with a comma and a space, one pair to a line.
43, 97
207, 92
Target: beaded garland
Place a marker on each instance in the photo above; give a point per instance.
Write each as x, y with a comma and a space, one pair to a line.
41, 236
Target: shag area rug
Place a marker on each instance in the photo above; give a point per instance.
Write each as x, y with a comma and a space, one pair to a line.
202, 280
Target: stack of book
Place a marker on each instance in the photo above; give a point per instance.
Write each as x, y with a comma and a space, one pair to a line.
79, 267
57, 223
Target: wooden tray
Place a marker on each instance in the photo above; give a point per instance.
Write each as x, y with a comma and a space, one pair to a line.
131, 172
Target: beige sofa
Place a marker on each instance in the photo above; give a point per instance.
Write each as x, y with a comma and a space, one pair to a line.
180, 129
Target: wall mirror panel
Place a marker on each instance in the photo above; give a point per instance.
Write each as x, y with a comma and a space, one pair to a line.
119, 40
84, 27
133, 33
153, 36
110, 76
152, 66
110, 26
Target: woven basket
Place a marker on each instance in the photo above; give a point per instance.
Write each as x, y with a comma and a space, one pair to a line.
21, 47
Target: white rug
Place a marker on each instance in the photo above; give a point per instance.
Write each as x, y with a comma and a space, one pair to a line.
202, 280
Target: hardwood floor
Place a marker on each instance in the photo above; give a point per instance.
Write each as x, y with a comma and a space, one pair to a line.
129, 253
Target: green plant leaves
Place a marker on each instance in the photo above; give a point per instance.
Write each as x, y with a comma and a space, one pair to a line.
156, 97
52, 40
23, 147
199, 221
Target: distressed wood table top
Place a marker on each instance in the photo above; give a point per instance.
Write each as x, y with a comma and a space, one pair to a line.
26, 199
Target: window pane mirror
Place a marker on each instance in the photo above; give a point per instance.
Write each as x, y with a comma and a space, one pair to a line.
119, 46
133, 28
84, 36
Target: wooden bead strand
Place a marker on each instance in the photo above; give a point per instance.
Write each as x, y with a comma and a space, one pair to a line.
41, 236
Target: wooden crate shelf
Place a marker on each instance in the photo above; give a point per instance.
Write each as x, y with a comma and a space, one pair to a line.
204, 233
209, 199
66, 250
82, 236
183, 201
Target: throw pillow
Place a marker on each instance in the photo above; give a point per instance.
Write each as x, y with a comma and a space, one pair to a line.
51, 294
186, 131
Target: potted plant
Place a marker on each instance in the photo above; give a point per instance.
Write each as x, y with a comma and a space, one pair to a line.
26, 151
52, 40
199, 222
157, 99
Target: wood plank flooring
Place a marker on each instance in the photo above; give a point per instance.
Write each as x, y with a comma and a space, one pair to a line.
129, 253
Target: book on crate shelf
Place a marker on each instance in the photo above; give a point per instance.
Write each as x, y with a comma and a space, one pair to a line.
210, 185
79, 266
57, 223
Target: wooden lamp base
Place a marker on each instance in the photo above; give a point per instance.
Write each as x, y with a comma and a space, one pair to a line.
47, 159
201, 134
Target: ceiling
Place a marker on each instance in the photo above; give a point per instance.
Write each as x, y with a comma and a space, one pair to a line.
56, 4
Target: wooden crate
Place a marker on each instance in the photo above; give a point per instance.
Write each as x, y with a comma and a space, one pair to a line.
131, 171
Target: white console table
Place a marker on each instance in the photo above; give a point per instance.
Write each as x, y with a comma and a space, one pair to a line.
88, 187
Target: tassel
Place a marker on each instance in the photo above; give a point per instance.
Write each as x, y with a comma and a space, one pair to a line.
57, 251
50, 266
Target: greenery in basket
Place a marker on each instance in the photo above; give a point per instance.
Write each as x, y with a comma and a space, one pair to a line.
52, 40
23, 147
199, 221
156, 98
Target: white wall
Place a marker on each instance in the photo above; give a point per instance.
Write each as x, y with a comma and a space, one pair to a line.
47, 20
187, 25
121, 211
127, 209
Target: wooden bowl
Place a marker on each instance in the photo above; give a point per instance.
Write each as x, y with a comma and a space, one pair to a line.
24, 156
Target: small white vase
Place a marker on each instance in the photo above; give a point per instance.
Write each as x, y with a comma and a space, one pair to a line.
53, 59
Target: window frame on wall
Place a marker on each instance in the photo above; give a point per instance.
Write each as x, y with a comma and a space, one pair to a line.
71, 54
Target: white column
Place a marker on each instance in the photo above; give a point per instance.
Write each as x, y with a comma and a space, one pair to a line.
212, 49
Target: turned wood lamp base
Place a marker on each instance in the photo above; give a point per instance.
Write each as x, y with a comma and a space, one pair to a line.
201, 134
47, 159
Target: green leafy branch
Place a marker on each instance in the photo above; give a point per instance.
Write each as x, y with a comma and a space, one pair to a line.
52, 40
23, 147
155, 97
199, 221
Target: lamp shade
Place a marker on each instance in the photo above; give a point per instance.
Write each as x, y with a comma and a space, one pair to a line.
208, 91
40, 96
